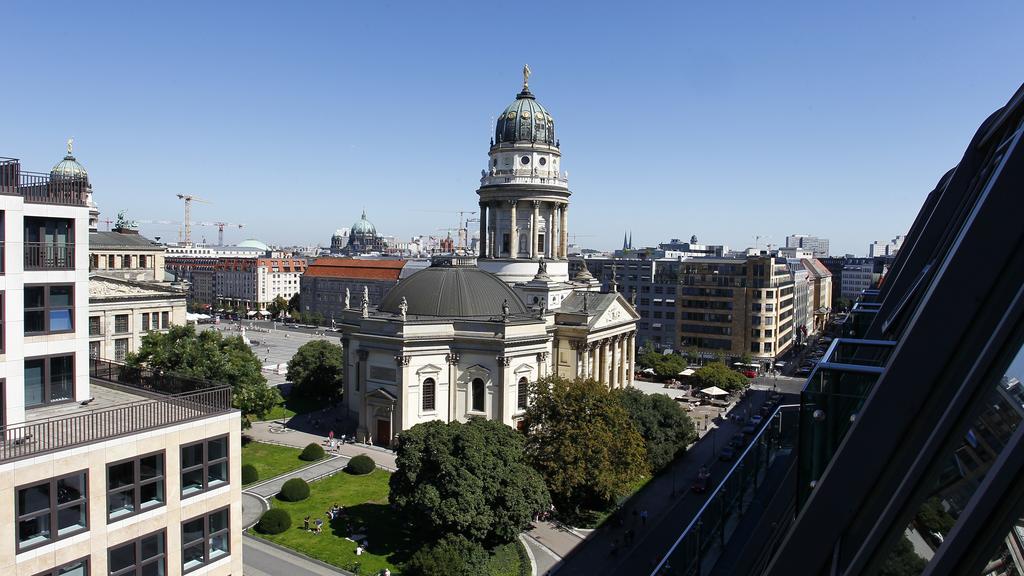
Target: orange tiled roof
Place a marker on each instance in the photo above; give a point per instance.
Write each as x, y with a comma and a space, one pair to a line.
356, 269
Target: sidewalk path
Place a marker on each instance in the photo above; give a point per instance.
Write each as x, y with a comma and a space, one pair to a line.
315, 471
264, 559
272, 433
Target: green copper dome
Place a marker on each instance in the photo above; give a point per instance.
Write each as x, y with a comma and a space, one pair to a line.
69, 169
363, 226
525, 120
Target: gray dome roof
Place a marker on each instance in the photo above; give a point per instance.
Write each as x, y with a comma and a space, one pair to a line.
363, 226
69, 169
453, 291
525, 120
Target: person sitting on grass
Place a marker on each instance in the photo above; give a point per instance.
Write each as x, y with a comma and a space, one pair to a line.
319, 526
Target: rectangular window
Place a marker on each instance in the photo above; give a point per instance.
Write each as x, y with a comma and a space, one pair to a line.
120, 349
141, 557
49, 309
79, 567
205, 539
145, 322
95, 326
755, 347
3, 311
767, 333
204, 466
165, 320
769, 307
522, 394
121, 324
51, 510
49, 380
769, 320
767, 346
94, 349
756, 307
755, 333
135, 485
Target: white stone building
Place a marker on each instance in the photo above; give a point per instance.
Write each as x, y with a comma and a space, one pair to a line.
466, 336
121, 312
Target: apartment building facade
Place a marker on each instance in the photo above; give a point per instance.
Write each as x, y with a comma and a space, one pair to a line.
736, 307
324, 284
99, 473
121, 312
253, 283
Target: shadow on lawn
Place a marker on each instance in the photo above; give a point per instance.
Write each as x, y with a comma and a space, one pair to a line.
381, 529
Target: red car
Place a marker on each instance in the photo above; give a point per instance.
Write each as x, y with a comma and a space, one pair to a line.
750, 374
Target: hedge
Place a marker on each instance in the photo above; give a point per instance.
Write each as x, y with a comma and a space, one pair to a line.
312, 452
274, 521
361, 464
249, 474
294, 490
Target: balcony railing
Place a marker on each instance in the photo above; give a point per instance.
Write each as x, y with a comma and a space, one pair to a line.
41, 188
163, 400
49, 256
834, 394
702, 543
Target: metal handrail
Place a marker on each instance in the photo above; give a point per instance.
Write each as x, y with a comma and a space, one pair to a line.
711, 497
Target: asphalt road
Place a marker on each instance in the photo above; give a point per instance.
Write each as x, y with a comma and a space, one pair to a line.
261, 559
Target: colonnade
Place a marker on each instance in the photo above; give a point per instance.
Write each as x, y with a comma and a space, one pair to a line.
610, 360
556, 218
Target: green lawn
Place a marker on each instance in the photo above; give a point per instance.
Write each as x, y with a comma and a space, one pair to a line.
368, 514
291, 406
270, 459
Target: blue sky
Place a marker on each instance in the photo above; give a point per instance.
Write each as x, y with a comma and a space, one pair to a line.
721, 119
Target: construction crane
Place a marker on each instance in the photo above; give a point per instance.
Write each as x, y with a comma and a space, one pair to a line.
462, 231
188, 198
220, 229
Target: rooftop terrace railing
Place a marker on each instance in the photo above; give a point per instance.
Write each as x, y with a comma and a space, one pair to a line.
698, 548
41, 188
165, 400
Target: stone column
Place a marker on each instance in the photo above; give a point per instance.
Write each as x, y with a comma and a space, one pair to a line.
564, 232
492, 234
632, 356
613, 356
549, 232
604, 363
588, 360
535, 238
453, 381
513, 235
482, 245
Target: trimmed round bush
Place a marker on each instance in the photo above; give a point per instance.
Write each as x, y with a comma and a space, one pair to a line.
249, 474
274, 521
294, 490
312, 452
361, 464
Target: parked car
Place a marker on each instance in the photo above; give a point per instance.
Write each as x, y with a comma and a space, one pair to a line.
749, 429
737, 440
804, 371
727, 454
750, 374
756, 419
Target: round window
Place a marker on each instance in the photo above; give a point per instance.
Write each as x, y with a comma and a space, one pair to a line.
525, 159
543, 161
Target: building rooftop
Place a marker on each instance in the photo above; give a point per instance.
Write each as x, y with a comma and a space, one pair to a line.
121, 240
356, 269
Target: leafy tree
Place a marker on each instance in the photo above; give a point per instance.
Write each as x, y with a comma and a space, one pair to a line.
295, 303
467, 478
932, 517
316, 369
580, 438
210, 356
664, 365
665, 427
903, 561
452, 555
718, 374
278, 306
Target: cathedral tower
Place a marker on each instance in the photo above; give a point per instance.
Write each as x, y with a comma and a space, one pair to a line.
524, 198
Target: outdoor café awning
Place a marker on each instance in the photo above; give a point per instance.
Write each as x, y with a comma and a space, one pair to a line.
714, 391
688, 372
251, 313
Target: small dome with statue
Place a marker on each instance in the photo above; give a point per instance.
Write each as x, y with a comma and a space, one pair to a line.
525, 120
69, 168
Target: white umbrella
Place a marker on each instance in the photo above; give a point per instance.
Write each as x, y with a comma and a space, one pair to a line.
714, 391
688, 372
647, 371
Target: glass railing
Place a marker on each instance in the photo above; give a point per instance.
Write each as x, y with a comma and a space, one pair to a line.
697, 550
834, 394
859, 319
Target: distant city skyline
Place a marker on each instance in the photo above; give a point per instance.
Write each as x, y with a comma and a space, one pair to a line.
717, 121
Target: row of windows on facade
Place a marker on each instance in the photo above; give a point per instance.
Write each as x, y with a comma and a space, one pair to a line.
123, 261
58, 508
149, 320
657, 314
477, 395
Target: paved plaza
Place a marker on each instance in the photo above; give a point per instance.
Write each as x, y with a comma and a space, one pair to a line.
273, 343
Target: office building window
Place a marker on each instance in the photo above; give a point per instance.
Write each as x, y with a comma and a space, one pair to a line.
120, 324
767, 346
49, 309
142, 556
755, 333
49, 380
478, 395
145, 322
522, 393
135, 485
767, 333
79, 567
756, 307
94, 349
95, 326
51, 510
120, 349
165, 319
204, 540
204, 466
755, 347
429, 395
142, 261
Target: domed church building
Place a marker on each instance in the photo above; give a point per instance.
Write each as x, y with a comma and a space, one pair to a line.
363, 238
464, 337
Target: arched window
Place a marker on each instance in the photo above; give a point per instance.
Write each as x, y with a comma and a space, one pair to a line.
429, 394
478, 395
523, 393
